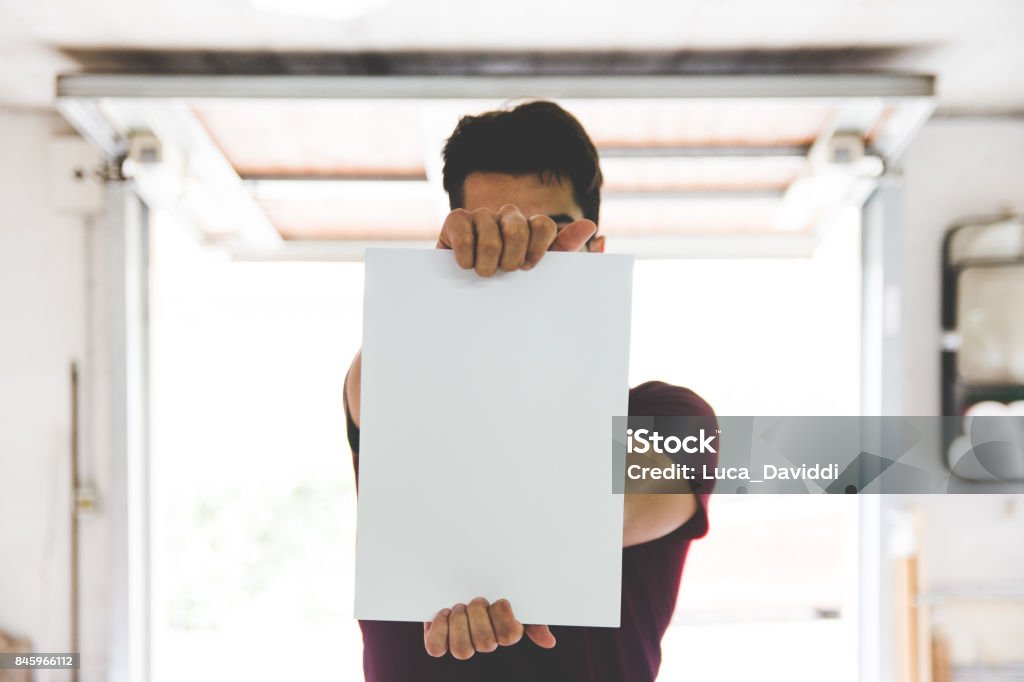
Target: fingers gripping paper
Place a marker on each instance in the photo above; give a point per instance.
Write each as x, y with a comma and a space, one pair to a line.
486, 412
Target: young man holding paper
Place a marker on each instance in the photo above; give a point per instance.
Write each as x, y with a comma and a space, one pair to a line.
523, 182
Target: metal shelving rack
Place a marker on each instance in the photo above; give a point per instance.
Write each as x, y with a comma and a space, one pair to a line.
960, 256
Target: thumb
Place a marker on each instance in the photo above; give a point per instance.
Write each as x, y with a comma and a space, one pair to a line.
541, 636
574, 236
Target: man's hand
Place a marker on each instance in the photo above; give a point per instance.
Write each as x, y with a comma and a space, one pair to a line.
485, 241
465, 630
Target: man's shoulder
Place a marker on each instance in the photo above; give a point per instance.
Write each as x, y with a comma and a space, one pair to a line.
661, 399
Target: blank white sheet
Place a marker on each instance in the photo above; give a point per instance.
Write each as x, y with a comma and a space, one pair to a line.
486, 431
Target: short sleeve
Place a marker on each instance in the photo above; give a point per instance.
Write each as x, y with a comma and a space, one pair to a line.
660, 399
353, 434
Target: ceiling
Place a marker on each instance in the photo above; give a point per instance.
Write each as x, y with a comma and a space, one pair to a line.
669, 167
974, 48
296, 161
297, 166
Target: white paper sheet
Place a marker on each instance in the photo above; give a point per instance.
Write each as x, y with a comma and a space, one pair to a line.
486, 429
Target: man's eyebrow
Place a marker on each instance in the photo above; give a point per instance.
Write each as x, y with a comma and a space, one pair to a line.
560, 218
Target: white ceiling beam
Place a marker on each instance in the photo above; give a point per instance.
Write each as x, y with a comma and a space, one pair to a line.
735, 87
902, 126
341, 189
214, 192
346, 189
86, 116
827, 184
705, 152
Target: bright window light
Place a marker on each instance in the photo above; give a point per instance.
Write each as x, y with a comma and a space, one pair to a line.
253, 495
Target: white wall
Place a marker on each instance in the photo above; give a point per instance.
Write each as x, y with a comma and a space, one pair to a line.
956, 168
49, 316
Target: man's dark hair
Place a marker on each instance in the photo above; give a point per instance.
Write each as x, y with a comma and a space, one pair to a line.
537, 137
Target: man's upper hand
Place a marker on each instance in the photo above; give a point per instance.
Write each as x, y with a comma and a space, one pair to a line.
479, 627
486, 241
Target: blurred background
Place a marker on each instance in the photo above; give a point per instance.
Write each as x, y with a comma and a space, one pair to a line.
186, 192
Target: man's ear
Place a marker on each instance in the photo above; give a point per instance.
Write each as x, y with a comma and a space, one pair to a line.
596, 245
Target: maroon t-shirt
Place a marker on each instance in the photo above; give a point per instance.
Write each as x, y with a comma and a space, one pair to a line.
393, 651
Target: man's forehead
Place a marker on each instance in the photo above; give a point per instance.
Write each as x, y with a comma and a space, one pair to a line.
546, 192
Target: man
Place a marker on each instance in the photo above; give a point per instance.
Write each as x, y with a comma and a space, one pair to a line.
523, 182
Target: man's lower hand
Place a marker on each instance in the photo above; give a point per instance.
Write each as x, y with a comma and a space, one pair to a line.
479, 627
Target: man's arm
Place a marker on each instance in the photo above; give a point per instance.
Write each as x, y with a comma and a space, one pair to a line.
353, 383
649, 516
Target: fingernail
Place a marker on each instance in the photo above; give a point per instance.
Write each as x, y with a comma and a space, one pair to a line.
446, 612
527, 266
